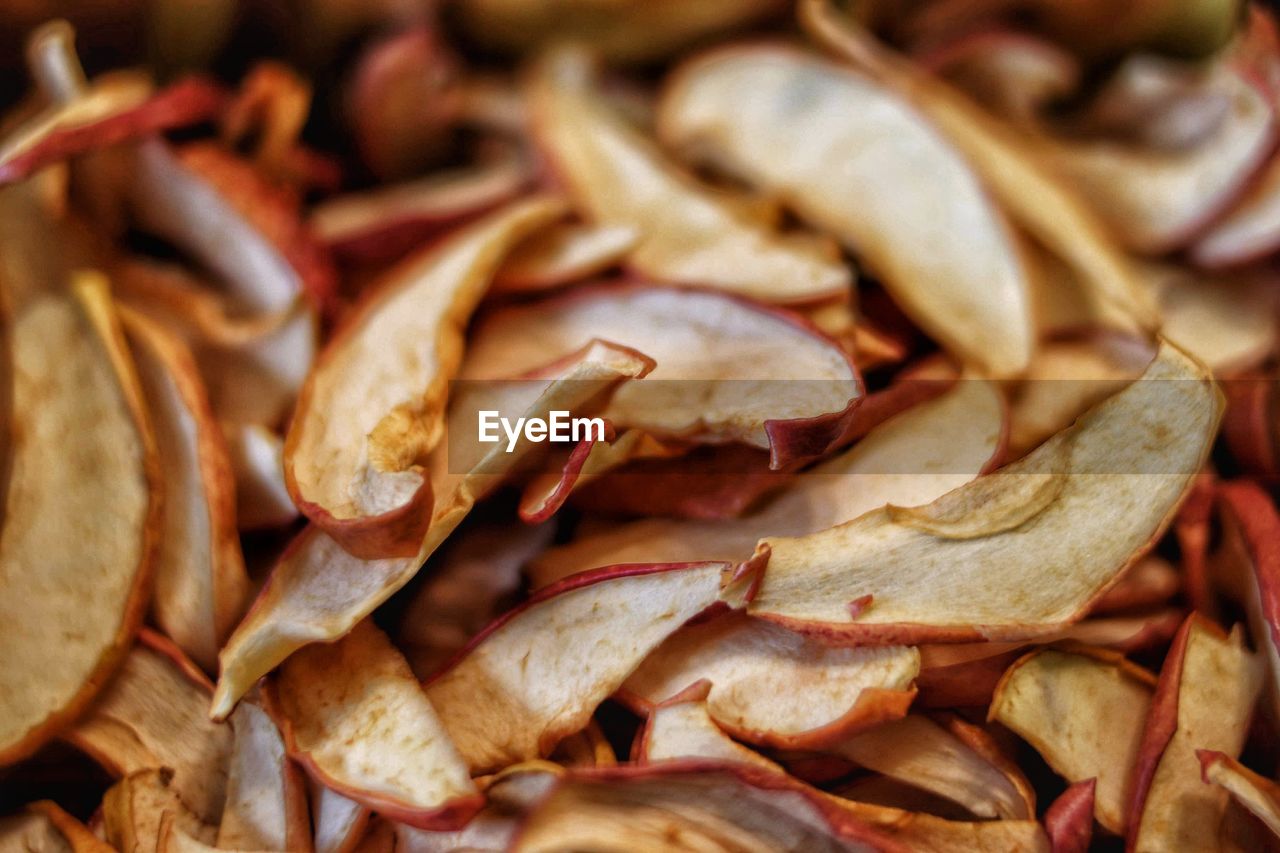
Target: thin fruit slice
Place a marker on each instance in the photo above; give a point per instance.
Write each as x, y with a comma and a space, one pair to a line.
155, 714
266, 806
81, 432
136, 808
775, 687
318, 591
340, 822
565, 254
1261, 796
846, 153
1250, 230
1083, 710
1012, 74
682, 727
201, 585
509, 794
690, 234
372, 410
1204, 700
44, 827
912, 458
257, 462
876, 579
537, 674
357, 697
1069, 821
727, 369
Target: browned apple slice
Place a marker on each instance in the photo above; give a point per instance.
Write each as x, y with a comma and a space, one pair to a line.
502, 699
1083, 710
1261, 796
256, 454
689, 233
912, 458
358, 693
762, 377
564, 254
1069, 821
682, 727
136, 808
155, 714
1123, 468
1204, 700
1223, 320
969, 292
360, 475
1250, 230
771, 686
318, 591
266, 806
1150, 582
80, 432
201, 587
339, 822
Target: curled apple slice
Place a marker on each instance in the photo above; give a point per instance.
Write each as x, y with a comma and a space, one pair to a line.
1204, 700
256, 454
689, 234
80, 432
1261, 796
1222, 320
1069, 820
155, 714
844, 159
1129, 462
329, 697
43, 825
682, 727
339, 822
1010, 73
1083, 709
1150, 582
509, 795
136, 808
1248, 231
503, 699
761, 377
906, 460
266, 806
564, 254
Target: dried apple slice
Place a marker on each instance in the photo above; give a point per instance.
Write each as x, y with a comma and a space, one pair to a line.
372, 410
340, 822
912, 458
318, 591
155, 714
358, 693
1150, 582
1250, 230
537, 674
1203, 700
201, 587
1069, 821
682, 727
762, 377
256, 454
80, 432
842, 159
1083, 709
877, 579
690, 234
136, 808
774, 687
266, 807
1010, 73
565, 254
43, 826
1261, 796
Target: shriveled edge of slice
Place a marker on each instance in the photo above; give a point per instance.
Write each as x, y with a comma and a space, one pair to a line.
682, 728
1069, 820
1258, 794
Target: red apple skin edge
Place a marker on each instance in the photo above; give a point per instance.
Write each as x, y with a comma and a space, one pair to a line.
1260, 524
1069, 821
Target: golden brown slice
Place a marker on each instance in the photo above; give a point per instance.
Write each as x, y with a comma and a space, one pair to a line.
1128, 463
1261, 796
266, 807
81, 432
139, 806
689, 233
43, 827
339, 822
563, 254
847, 153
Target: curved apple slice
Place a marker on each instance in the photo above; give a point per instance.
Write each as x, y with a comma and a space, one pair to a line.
847, 153
1261, 796
1204, 700
509, 795
775, 687
339, 822
201, 588
44, 826
1083, 710
372, 409
359, 691
1150, 582
1248, 231
135, 809
80, 432
154, 714
1224, 321
257, 462
266, 806
1069, 820
727, 370
538, 673
912, 458
1010, 73
690, 234
564, 254
682, 727
873, 579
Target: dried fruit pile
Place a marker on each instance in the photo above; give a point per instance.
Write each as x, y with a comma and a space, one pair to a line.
911, 332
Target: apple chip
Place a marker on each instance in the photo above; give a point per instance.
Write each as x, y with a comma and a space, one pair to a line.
689, 234
136, 808
256, 454
266, 807
682, 727
360, 475
339, 822
1069, 821
1261, 796
80, 432
727, 370
563, 254
43, 827
1083, 710
155, 714
969, 291
358, 693
1250, 230
1204, 700
537, 674
775, 687
877, 579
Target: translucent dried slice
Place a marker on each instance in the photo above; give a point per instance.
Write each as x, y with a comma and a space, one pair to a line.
81, 432
690, 234
372, 410
1261, 796
846, 153
257, 461
682, 727
266, 806
1130, 461
339, 822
